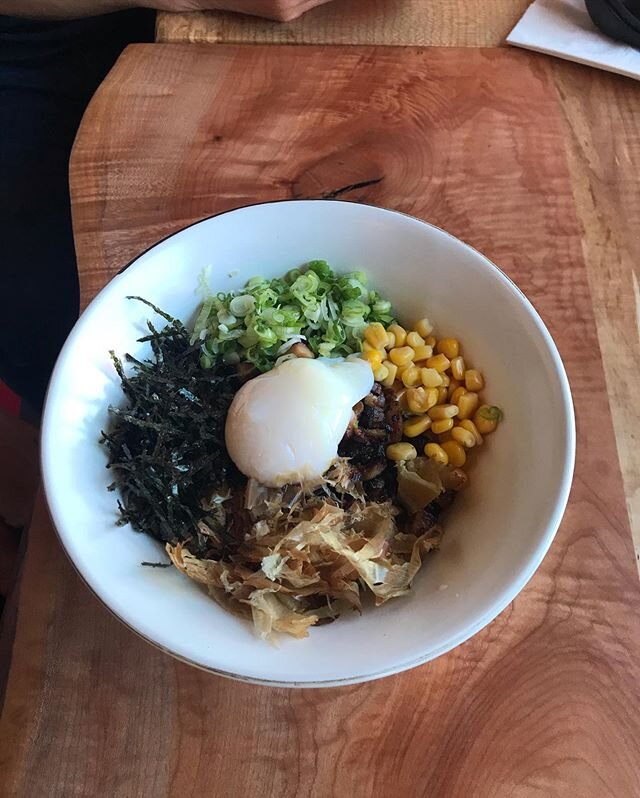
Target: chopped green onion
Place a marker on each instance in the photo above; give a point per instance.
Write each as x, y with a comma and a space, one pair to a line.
329, 310
241, 305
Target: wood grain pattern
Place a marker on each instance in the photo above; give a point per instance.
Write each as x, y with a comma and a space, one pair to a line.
463, 23
542, 702
603, 147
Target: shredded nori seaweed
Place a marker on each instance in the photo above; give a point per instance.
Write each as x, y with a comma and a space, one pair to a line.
166, 447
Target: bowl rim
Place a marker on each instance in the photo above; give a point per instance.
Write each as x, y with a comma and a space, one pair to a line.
513, 588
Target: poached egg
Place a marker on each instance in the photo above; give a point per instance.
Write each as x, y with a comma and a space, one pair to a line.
285, 425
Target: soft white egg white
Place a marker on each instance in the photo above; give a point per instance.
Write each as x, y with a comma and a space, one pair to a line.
285, 425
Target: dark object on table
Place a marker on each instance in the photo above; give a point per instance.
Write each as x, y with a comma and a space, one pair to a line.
619, 19
48, 73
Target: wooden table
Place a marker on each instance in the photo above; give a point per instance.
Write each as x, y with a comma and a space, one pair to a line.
532, 161
601, 139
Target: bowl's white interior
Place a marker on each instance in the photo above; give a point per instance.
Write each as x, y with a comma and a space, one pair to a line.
497, 533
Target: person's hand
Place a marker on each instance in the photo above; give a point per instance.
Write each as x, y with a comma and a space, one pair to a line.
281, 10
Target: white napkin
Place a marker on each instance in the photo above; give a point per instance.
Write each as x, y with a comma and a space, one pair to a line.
563, 28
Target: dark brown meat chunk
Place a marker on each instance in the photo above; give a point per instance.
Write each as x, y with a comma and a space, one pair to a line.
392, 416
373, 468
365, 443
424, 521
362, 449
376, 489
372, 416
427, 519
445, 499
383, 487
366, 450
365, 437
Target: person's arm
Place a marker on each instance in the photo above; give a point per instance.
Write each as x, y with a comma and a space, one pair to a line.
281, 10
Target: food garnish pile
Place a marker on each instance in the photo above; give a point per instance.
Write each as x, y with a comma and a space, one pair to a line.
296, 449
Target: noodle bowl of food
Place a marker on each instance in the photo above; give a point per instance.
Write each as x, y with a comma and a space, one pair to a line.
292, 443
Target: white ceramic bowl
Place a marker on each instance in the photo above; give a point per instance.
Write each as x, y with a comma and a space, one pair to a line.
496, 534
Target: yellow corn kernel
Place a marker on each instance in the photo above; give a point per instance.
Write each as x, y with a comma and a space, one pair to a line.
366, 347
401, 451
413, 427
455, 396
391, 340
446, 379
442, 395
437, 453
417, 400
473, 380
468, 404
430, 341
458, 368
431, 378
376, 335
450, 347
374, 357
486, 418
455, 453
422, 352
399, 333
453, 387
381, 373
442, 426
432, 397
443, 411
467, 424
392, 370
438, 362
401, 355
402, 369
463, 437
411, 376
423, 327
414, 339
